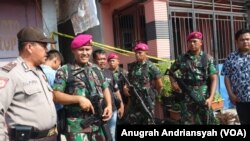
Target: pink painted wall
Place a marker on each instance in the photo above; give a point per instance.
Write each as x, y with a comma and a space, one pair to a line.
157, 11
107, 25
107, 21
154, 10
107, 28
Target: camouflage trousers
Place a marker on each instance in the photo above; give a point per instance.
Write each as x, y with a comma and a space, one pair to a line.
76, 133
136, 115
192, 113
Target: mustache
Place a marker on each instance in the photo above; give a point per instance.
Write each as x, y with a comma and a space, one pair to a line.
84, 55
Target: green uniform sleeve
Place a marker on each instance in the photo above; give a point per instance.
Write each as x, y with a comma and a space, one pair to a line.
105, 83
154, 72
211, 66
61, 79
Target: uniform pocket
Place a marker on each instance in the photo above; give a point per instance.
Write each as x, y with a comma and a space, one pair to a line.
33, 96
31, 90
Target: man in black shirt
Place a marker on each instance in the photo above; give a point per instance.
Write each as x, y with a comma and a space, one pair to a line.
100, 58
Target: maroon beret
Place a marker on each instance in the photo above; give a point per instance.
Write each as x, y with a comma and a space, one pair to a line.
141, 46
112, 56
194, 35
81, 40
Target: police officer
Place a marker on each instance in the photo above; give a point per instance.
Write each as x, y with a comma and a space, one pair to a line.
196, 68
146, 79
74, 86
26, 103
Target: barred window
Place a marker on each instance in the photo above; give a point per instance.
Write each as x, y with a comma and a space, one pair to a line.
129, 26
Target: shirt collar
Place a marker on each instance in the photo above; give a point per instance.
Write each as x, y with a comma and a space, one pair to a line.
240, 54
23, 63
191, 55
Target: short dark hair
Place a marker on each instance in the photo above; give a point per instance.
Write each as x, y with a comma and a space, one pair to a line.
240, 32
98, 51
55, 54
21, 45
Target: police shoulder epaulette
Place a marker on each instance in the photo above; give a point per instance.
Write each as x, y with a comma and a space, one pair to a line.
8, 67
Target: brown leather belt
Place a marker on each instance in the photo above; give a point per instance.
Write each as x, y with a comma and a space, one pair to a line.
34, 134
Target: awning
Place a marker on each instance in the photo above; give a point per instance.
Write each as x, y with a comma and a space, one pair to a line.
82, 13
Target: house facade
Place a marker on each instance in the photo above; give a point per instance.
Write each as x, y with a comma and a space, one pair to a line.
165, 24
162, 24
16, 14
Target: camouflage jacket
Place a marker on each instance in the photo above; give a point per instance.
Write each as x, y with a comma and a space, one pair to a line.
75, 83
119, 79
193, 71
141, 74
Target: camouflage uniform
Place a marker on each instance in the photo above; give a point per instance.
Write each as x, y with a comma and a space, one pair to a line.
195, 75
117, 77
141, 76
121, 82
76, 85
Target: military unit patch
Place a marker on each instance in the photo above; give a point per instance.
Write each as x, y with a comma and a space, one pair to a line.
3, 82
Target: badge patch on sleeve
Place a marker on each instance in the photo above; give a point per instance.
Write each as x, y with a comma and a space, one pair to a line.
3, 82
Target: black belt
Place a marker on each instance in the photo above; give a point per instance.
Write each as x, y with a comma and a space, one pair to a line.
32, 134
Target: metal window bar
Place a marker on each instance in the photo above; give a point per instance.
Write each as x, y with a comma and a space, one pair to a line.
129, 26
218, 39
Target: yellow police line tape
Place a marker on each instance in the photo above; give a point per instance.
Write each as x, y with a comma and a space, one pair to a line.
94, 43
110, 48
